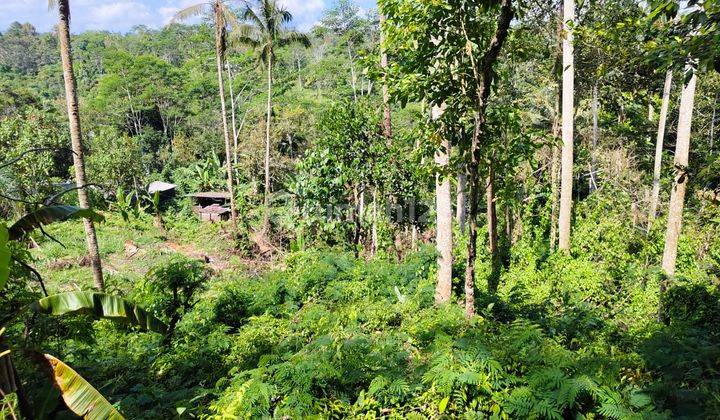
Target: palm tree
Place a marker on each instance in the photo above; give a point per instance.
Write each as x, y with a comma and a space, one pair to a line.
63, 30
265, 32
224, 17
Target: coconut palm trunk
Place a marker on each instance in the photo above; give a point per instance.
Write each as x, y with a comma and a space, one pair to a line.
76, 139
220, 37
677, 194
568, 93
233, 118
266, 201
655, 196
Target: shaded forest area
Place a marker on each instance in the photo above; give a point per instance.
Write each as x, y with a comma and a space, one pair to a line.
435, 209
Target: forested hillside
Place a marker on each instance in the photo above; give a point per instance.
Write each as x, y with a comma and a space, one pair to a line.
431, 209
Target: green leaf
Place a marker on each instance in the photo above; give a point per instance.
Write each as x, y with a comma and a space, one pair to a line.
102, 306
443, 404
48, 215
4, 255
79, 395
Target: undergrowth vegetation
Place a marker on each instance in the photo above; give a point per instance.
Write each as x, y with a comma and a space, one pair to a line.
330, 335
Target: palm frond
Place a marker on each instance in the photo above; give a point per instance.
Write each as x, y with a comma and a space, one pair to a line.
293, 37
52, 4
229, 16
249, 14
245, 35
187, 13
284, 15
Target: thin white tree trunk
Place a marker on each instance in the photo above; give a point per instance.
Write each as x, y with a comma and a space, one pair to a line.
76, 140
677, 195
219, 57
566, 179
444, 240
353, 76
655, 195
374, 245
595, 138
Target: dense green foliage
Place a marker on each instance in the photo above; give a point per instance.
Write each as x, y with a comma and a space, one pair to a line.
330, 310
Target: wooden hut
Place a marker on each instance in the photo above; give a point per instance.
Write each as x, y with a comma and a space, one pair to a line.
210, 205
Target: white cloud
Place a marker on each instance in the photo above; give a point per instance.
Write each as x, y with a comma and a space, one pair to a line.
118, 15
122, 15
305, 12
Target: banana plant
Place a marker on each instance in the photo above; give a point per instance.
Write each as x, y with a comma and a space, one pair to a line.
47, 215
123, 203
77, 393
79, 396
100, 305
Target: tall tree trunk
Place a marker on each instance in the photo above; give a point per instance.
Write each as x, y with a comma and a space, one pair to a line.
677, 195
484, 77
554, 192
357, 215
387, 118
374, 244
444, 240
232, 112
555, 149
76, 140
266, 202
595, 138
219, 58
461, 204
655, 195
568, 93
492, 222
353, 76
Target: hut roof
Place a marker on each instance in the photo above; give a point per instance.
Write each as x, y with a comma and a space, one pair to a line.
159, 186
214, 209
211, 194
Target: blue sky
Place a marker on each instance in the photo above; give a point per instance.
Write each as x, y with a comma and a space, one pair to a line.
121, 15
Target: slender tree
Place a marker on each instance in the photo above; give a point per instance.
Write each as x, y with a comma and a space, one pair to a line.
76, 135
387, 117
223, 17
483, 76
461, 199
655, 196
568, 93
443, 209
266, 32
682, 153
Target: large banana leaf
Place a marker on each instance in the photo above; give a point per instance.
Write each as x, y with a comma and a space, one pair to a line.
101, 305
4, 255
79, 395
48, 215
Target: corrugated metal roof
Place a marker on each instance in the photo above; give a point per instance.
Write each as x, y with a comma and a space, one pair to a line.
160, 186
211, 194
